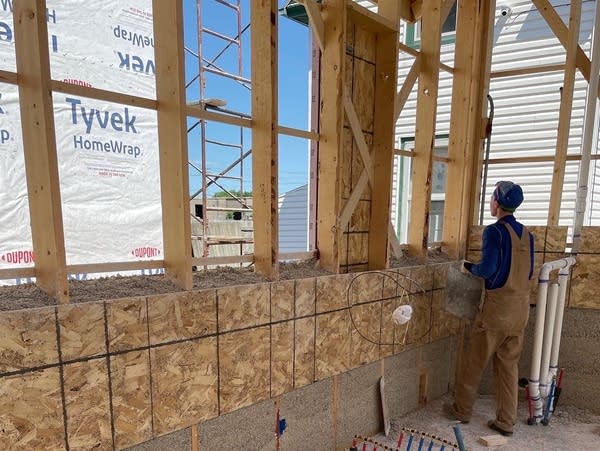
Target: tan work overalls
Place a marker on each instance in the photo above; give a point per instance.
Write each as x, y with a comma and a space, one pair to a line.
498, 331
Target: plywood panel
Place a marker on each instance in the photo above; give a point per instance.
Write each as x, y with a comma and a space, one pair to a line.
184, 384
243, 306
27, 340
556, 239
539, 235
282, 300
363, 93
81, 330
443, 323
87, 404
364, 44
365, 334
179, 316
130, 380
475, 237
365, 287
331, 292
585, 281
346, 164
244, 368
420, 323
359, 221
358, 248
305, 297
388, 327
127, 324
590, 240
390, 284
282, 358
358, 165
421, 278
31, 412
332, 344
304, 349
440, 275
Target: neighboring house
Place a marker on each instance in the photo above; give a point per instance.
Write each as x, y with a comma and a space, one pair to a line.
525, 119
293, 220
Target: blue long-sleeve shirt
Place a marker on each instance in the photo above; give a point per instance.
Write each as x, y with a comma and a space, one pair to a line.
496, 253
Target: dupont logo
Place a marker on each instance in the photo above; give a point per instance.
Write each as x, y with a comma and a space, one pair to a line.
145, 252
17, 257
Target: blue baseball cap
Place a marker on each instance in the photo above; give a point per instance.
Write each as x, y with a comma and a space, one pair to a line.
509, 195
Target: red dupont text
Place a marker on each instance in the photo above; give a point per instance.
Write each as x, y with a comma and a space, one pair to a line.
145, 252
18, 257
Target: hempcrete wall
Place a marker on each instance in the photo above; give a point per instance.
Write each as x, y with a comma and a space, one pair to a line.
112, 374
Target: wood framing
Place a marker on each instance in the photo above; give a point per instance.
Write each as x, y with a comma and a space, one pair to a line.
8, 77
384, 124
172, 140
472, 63
407, 87
328, 176
527, 70
564, 117
39, 145
562, 33
316, 21
264, 137
425, 130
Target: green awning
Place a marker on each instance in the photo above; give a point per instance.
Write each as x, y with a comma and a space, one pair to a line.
295, 11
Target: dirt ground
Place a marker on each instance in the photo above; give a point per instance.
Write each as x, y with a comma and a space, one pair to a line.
29, 296
570, 429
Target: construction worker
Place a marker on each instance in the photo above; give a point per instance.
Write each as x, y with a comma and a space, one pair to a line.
506, 266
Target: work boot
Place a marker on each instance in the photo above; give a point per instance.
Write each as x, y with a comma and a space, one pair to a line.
452, 414
492, 425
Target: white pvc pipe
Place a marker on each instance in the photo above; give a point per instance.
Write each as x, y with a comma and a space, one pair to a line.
563, 279
588, 133
548, 331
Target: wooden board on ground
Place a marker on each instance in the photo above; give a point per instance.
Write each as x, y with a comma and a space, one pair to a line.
492, 440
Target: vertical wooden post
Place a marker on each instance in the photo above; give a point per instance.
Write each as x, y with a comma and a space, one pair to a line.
332, 72
39, 145
264, 137
564, 117
386, 68
172, 141
471, 78
425, 130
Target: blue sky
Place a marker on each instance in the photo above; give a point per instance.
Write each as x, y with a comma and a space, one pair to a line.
294, 62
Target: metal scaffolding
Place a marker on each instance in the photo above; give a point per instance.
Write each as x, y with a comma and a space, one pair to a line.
231, 11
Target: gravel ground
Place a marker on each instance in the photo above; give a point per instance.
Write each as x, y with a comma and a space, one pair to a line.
569, 429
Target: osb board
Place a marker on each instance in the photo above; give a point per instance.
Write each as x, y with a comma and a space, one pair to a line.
440, 275
332, 292
443, 324
359, 221
332, 344
130, 381
282, 300
28, 339
388, 328
365, 334
244, 368
31, 415
81, 330
345, 165
364, 43
556, 239
590, 240
127, 324
585, 281
305, 297
419, 326
539, 235
358, 165
390, 283
87, 405
358, 248
243, 306
364, 287
363, 93
184, 384
183, 315
304, 352
421, 278
282, 358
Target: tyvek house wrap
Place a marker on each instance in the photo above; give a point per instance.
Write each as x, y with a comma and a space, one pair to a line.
107, 153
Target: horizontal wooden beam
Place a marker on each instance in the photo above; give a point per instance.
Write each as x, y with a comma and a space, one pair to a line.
8, 77
297, 255
90, 268
369, 20
528, 70
199, 112
102, 94
16, 273
415, 53
208, 261
289, 131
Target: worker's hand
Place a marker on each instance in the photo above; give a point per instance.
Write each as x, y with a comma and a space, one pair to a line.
465, 267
